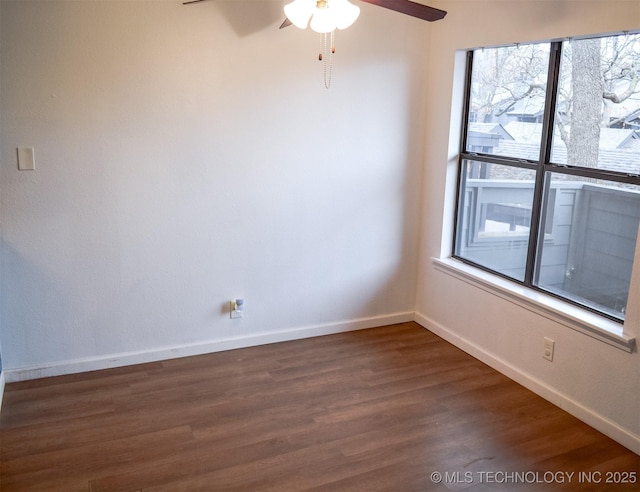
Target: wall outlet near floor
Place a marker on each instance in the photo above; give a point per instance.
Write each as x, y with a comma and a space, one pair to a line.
549, 347
236, 308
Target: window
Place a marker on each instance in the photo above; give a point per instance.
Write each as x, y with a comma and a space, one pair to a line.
549, 182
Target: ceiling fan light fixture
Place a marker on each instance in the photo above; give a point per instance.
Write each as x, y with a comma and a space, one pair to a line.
325, 15
345, 12
299, 12
323, 20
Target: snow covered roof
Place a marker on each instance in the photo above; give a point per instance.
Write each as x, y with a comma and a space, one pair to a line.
621, 160
610, 138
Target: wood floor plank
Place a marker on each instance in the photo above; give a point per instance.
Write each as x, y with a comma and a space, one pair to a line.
379, 409
74, 467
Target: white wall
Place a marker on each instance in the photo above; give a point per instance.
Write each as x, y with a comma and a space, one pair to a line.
187, 155
597, 382
1, 373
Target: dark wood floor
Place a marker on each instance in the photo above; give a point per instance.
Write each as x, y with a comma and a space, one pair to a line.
380, 409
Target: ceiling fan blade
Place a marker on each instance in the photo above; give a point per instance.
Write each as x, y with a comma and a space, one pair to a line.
192, 1
410, 8
286, 23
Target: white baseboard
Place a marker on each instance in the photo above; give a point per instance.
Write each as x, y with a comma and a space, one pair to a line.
595, 420
154, 355
587, 415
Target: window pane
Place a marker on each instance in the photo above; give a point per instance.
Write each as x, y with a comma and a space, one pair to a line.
495, 216
507, 100
590, 232
597, 122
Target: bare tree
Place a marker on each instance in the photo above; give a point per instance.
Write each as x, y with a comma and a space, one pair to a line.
620, 70
581, 132
599, 88
505, 76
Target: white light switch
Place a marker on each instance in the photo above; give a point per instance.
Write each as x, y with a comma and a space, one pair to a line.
26, 159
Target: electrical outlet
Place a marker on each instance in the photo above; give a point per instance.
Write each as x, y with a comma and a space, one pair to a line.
549, 348
236, 308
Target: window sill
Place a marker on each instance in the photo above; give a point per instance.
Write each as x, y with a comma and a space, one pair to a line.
564, 313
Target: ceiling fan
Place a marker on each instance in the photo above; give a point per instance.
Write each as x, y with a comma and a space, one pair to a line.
407, 7
325, 16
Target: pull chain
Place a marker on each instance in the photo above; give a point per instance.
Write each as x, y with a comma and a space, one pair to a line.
326, 55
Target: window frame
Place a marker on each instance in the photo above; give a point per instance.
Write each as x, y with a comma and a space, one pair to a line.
543, 168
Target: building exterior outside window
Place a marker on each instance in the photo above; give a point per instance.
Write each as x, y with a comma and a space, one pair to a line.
549, 183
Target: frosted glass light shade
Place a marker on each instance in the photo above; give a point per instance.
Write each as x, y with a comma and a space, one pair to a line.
299, 12
345, 13
323, 20
325, 17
